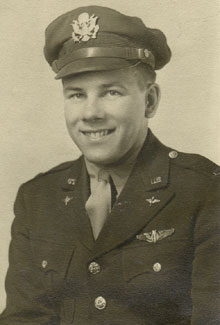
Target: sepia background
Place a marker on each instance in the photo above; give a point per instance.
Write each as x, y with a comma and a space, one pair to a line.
33, 137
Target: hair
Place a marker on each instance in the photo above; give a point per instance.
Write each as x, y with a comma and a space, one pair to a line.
144, 74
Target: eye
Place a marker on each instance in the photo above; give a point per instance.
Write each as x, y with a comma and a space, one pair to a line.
76, 96
113, 92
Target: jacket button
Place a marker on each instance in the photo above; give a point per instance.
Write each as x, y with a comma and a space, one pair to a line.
94, 268
100, 303
157, 267
173, 154
44, 264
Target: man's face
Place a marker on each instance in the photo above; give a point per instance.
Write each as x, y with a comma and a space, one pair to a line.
105, 114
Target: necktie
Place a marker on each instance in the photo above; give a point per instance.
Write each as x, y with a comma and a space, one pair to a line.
98, 205
114, 192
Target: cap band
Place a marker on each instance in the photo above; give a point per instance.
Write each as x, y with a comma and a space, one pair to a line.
127, 53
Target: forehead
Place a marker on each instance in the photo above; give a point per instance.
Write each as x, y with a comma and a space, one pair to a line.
124, 77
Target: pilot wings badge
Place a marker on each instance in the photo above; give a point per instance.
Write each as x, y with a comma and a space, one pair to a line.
154, 236
152, 201
84, 28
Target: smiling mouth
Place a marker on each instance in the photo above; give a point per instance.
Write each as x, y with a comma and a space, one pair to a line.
95, 135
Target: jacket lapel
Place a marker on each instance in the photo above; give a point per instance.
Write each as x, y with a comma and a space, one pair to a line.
75, 190
146, 193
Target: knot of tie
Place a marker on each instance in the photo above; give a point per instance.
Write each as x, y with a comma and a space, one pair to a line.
103, 175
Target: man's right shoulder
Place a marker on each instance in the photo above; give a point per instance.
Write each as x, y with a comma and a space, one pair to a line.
58, 172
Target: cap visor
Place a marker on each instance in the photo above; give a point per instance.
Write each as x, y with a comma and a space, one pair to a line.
93, 64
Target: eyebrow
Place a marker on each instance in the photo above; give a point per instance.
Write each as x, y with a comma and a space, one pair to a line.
72, 89
113, 84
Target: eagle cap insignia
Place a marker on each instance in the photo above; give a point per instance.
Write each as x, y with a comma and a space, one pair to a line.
84, 28
154, 236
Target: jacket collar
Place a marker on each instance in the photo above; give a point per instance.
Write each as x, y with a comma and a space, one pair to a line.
153, 163
71, 179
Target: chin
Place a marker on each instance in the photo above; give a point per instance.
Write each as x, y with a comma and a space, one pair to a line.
100, 159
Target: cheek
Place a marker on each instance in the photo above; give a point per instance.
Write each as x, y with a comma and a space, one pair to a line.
132, 117
71, 114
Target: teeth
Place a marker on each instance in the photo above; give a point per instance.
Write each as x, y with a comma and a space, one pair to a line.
97, 134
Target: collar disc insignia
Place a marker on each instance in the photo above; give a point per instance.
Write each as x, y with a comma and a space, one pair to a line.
156, 180
71, 181
84, 28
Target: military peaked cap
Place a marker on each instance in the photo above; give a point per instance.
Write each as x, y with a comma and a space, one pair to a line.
97, 38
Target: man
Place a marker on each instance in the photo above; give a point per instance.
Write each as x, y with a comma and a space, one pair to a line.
128, 233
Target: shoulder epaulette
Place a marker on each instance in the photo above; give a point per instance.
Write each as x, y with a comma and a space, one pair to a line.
60, 167
195, 162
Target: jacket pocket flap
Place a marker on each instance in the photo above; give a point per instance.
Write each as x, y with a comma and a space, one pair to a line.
51, 256
155, 260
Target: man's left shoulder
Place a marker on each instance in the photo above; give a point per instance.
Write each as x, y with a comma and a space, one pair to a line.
195, 163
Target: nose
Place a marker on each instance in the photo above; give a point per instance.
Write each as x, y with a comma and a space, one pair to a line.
93, 109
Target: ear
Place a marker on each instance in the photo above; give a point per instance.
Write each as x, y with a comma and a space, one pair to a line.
152, 100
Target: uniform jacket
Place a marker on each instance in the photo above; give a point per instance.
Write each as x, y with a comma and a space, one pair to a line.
156, 260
